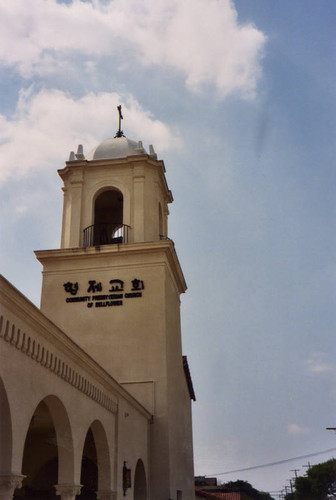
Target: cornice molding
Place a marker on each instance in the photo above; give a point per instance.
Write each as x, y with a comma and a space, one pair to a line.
163, 251
130, 161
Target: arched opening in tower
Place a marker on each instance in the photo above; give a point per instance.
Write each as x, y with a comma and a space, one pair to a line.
89, 471
108, 218
40, 458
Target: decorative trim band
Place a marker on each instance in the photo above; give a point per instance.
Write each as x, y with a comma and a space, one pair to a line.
34, 350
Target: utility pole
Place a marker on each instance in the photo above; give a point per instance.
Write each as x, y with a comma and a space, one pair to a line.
307, 466
295, 472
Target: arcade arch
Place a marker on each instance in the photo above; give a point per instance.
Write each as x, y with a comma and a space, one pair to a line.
89, 469
48, 456
96, 467
5, 432
140, 483
40, 457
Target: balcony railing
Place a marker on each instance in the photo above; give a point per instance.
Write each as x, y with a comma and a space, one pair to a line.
105, 234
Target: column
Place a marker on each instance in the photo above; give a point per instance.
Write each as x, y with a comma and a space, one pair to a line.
8, 484
106, 495
68, 491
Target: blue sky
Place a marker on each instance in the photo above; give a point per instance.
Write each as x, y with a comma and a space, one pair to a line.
238, 98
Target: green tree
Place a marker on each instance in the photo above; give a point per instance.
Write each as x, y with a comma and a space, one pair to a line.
247, 489
323, 477
290, 496
319, 484
264, 496
303, 488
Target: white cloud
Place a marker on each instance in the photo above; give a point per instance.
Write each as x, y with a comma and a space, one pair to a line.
47, 125
296, 430
201, 39
318, 364
21, 209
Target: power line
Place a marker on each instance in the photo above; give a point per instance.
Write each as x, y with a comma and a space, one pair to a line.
272, 463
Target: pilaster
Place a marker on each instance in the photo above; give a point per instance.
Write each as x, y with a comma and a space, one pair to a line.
73, 178
139, 201
65, 236
76, 209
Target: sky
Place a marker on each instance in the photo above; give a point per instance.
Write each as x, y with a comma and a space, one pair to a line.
238, 99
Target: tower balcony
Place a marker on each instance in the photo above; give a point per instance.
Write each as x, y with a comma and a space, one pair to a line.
106, 234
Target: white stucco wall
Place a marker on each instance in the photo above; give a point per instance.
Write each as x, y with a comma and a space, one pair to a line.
38, 362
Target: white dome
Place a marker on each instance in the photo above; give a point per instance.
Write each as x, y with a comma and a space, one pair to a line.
118, 147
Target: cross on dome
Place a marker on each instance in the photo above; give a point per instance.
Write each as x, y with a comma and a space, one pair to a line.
119, 133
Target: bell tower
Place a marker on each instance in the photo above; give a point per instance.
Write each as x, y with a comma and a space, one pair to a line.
114, 287
118, 194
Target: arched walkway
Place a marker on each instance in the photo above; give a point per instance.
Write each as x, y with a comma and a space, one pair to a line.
103, 455
89, 470
95, 473
40, 457
140, 483
64, 439
48, 452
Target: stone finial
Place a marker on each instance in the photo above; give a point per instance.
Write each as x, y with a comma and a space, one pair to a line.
140, 147
79, 154
152, 153
72, 156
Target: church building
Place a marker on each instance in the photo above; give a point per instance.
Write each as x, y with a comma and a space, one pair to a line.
95, 394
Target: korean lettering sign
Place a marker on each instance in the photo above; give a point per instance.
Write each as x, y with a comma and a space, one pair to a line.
97, 294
